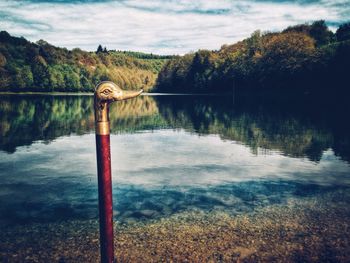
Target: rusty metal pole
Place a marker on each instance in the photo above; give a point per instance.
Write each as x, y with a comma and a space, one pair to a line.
105, 93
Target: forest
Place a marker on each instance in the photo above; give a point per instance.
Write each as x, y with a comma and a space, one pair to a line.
42, 67
302, 59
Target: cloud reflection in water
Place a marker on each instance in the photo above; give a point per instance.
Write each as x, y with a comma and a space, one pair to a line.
156, 173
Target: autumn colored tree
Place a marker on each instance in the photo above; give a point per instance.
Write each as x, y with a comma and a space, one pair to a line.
299, 57
286, 54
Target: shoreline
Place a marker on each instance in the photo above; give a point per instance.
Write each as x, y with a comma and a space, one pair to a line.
91, 94
47, 93
312, 229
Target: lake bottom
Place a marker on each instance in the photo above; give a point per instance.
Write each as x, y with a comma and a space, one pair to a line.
306, 229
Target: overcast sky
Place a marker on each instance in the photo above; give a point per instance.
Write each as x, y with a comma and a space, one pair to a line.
159, 26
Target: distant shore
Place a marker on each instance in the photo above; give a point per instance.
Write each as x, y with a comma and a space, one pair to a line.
91, 93
47, 93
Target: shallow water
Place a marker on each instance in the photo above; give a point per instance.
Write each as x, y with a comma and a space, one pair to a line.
170, 155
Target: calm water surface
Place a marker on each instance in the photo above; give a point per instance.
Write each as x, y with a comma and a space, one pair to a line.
170, 154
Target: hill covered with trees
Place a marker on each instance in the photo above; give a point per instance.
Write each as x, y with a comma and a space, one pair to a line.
306, 58
302, 59
27, 66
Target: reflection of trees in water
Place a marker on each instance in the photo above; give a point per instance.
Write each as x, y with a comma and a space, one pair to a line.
136, 114
267, 126
24, 119
27, 119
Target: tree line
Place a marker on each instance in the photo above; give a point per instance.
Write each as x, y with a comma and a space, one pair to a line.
40, 66
306, 58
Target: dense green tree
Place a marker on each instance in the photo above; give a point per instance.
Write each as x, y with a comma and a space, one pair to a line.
86, 84
99, 49
100, 74
57, 80
5, 80
320, 32
343, 32
24, 77
254, 44
41, 73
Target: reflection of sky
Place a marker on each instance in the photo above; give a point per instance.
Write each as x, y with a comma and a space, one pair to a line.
166, 27
155, 173
182, 159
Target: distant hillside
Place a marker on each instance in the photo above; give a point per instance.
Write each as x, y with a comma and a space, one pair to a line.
26, 66
307, 59
302, 59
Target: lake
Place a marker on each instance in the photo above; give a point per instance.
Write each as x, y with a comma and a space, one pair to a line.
177, 162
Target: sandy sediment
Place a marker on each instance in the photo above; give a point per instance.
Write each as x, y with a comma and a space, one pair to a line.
302, 230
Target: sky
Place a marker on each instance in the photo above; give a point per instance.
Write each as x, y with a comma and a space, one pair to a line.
160, 26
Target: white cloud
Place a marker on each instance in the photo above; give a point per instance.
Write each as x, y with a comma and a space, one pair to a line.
164, 27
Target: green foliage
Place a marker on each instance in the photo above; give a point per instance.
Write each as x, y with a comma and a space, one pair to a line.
40, 72
25, 66
142, 55
99, 49
24, 77
343, 32
320, 32
304, 59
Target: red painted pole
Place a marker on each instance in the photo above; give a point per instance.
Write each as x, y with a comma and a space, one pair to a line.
105, 93
105, 197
